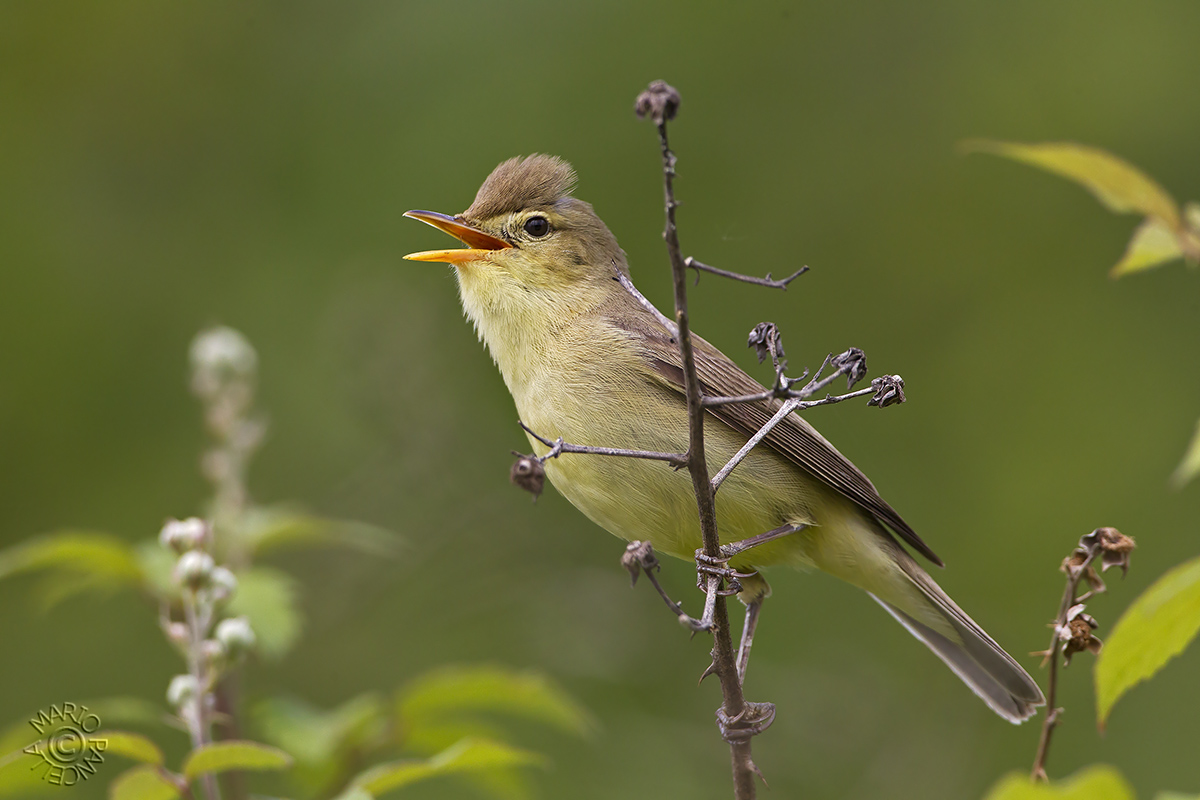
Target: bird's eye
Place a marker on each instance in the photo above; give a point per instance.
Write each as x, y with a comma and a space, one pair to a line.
537, 227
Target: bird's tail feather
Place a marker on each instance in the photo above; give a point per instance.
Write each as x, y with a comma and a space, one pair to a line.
976, 658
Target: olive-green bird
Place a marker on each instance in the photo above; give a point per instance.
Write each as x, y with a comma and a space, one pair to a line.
585, 361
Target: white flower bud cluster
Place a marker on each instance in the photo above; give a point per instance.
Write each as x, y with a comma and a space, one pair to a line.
220, 355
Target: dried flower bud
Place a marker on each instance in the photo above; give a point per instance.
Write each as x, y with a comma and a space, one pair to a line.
235, 635
766, 341
194, 569
853, 363
1113, 547
1076, 635
660, 102
224, 584
638, 556
529, 474
182, 690
889, 390
182, 535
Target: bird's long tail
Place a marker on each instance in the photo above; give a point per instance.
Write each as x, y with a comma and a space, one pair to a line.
973, 655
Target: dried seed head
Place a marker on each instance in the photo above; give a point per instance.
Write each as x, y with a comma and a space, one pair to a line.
1076, 635
638, 556
660, 102
766, 341
528, 473
889, 390
853, 364
1113, 547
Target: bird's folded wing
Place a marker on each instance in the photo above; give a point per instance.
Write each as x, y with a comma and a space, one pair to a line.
793, 438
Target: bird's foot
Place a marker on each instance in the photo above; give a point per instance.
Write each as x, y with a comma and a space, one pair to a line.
718, 566
754, 719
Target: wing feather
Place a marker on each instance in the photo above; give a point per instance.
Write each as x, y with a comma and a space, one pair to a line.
792, 438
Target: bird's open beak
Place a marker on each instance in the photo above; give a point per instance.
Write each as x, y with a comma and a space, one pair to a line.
479, 244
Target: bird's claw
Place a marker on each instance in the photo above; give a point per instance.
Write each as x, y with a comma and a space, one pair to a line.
718, 566
754, 719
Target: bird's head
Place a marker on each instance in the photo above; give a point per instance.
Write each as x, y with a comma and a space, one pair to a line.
525, 234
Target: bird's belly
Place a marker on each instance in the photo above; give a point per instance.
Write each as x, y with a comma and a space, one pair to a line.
650, 500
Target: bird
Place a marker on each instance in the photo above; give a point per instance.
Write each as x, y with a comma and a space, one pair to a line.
586, 361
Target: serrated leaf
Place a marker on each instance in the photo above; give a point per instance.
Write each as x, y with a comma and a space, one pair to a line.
313, 736
234, 754
1152, 631
1190, 466
1116, 183
142, 783
469, 755
272, 528
1153, 243
434, 701
1098, 782
87, 552
268, 598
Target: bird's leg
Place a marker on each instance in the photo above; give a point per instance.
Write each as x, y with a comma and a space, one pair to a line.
732, 549
639, 558
743, 657
751, 586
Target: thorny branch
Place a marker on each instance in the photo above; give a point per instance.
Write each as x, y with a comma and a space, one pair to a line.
1073, 628
736, 716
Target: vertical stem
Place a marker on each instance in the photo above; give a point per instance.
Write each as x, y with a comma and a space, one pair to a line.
1051, 720
724, 658
198, 725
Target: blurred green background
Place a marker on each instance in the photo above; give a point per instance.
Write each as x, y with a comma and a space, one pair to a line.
166, 166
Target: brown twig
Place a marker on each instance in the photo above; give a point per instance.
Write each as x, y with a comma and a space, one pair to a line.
661, 102
769, 282
558, 447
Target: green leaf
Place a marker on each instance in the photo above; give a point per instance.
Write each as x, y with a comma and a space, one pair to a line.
437, 702
157, 563
1119, 185
1152, 631
272, 528
267, 597
109, 559
130, 745
1176, 796
355, 793
1098, 782
20, 775
1153, 243
1190, 466
314, 736
467, 756
234, 754
142, 783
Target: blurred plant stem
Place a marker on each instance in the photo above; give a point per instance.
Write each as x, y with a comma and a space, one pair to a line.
1072, 627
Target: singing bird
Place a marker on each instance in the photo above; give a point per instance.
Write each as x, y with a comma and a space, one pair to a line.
586, 361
